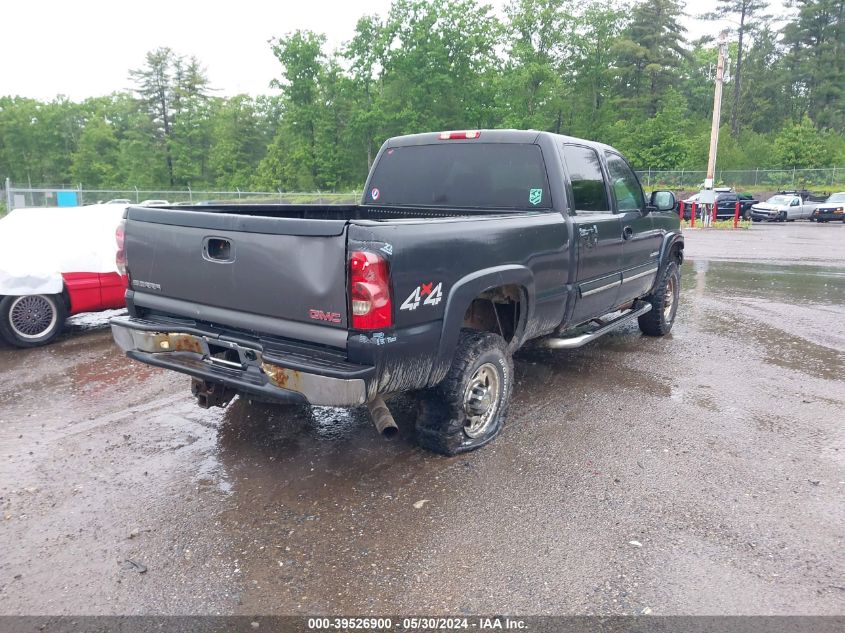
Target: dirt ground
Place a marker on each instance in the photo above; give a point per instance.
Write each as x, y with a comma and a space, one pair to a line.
697, 474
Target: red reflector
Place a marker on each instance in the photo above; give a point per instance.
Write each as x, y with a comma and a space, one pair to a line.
369, 291
467, 134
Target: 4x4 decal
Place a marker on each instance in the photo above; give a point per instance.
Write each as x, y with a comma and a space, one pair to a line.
433, 294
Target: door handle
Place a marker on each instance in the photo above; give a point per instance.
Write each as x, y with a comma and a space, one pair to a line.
218, 249
627, 233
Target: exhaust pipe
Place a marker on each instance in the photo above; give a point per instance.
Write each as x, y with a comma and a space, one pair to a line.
382, 418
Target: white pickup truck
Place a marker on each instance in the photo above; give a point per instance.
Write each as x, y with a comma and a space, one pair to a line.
786, 206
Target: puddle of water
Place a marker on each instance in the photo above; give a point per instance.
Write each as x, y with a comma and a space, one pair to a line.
789, 284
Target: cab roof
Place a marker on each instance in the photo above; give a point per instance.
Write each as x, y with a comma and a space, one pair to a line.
489, 136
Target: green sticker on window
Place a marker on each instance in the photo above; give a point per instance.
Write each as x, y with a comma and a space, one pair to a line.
535, 196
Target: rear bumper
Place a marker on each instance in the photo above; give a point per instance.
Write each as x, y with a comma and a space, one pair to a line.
285, 374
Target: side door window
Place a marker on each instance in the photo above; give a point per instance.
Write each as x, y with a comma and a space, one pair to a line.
589, 191
626, 187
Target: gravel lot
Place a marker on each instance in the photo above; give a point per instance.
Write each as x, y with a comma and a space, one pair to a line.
697, 474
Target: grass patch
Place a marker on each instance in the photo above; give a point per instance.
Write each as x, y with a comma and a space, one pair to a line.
718, 224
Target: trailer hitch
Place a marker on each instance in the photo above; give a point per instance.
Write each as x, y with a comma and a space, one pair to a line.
211, 394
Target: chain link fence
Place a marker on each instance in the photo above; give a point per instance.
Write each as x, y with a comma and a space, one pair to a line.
829, 179
762, 179
17, 197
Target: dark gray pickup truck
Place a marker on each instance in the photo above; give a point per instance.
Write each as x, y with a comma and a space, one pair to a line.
466, 246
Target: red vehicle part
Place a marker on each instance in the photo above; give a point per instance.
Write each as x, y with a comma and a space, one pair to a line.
369, 289
89, 292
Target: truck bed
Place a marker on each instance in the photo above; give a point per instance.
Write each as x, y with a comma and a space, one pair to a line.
333, 212
278, 269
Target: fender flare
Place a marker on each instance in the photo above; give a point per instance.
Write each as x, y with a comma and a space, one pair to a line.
461, 295
670, 240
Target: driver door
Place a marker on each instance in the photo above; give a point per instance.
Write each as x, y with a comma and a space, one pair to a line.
641, 239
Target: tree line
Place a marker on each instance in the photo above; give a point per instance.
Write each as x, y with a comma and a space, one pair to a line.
626, 74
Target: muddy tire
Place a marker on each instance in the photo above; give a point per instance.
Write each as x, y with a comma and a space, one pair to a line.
468, 408
31, 320
664, 303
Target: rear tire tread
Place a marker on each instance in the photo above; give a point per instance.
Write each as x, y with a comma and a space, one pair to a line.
440, 414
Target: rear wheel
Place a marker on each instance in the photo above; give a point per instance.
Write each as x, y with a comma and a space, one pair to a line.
468, 408
31, 320
664, 303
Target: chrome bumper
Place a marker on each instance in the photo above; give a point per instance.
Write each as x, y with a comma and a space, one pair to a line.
190, 353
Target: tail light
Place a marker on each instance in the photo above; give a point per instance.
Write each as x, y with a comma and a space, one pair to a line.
120, 257
369, 290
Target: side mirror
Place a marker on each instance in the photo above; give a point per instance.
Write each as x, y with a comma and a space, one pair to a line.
661, 201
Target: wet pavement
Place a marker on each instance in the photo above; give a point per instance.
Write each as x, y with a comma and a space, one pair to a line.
700, 473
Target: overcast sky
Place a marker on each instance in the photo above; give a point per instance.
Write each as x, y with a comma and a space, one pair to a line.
83, 48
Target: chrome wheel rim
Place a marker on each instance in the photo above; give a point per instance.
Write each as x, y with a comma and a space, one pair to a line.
32, 316
669, 299
481, 400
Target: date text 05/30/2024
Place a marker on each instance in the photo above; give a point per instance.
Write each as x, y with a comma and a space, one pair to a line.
387, 624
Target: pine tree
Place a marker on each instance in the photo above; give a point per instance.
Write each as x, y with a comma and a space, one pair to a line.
746, 15
649, 53
164, 85
816, 42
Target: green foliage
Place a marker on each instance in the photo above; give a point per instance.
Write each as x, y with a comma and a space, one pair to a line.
95, 160
622, 73
649, 53
662, 141
816, 43
801, 145
238, 142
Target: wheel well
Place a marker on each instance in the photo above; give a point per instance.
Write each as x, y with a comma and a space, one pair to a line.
65, 295
499, 310
677, 253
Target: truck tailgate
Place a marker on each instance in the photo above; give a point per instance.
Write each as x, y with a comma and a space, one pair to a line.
284, 268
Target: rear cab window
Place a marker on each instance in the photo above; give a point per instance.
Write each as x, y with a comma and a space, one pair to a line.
589, 190
471, 175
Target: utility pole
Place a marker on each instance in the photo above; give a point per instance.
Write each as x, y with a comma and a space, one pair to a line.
707, 197
717, 111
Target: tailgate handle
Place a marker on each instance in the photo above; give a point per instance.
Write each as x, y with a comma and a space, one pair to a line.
218, 249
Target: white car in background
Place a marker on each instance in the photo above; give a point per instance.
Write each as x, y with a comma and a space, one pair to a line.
153, 203
786, 206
